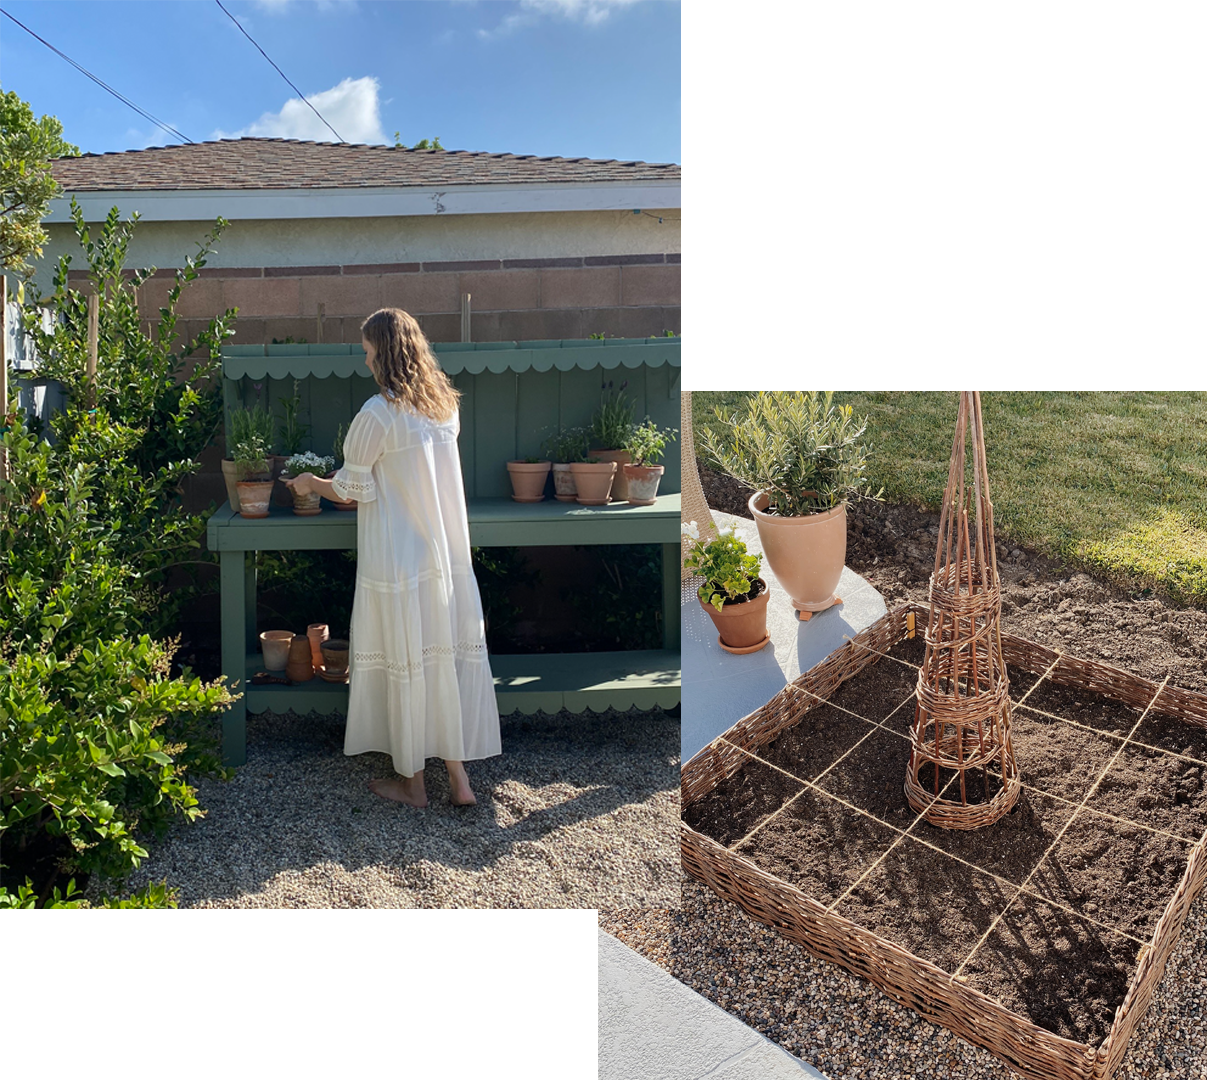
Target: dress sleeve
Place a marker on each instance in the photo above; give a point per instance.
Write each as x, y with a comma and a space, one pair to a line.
363, 445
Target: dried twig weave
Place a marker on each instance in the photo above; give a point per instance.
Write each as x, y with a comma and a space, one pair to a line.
962, 716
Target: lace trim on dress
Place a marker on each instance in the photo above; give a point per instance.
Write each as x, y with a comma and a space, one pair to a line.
463, 650
354, 487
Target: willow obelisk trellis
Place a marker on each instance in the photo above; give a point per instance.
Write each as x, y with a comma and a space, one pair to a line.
962, 717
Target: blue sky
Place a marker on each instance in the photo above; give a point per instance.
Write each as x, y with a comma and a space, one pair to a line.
577, 78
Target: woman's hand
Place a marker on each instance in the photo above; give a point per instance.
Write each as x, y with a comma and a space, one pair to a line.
302, 484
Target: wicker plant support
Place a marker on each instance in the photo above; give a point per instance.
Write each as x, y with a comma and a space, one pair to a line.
907, 979
962, 715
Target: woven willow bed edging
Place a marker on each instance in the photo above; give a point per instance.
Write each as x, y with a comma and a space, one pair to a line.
908, 979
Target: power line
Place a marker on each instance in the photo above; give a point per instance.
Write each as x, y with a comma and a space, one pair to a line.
104, 85
279, 71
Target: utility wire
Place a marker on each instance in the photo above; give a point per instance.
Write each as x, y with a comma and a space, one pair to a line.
279, 71
104, 85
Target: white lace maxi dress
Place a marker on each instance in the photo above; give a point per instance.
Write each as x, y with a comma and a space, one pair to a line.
420, 681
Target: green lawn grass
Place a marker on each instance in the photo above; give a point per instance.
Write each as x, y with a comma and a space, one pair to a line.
1114, 483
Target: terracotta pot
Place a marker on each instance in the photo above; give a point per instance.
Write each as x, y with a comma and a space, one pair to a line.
349, 505
335, 656
528, 480
317, 633
563, 482
742, 627
620, 486
306, 505
806, 554
593, 481
300, 667
643, 483
254, 497
275, 646
231, 475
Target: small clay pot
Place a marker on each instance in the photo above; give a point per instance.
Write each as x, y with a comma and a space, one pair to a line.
335, 656
620, 485
307, 505
593, 481
317, 633
563, 482
742, 626
275, 646
528, 480
300, 667
643, 483
254, 497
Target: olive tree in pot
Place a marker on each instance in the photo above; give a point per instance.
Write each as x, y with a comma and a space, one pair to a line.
733, 594
805, 457
645, 445
610, 429
563, 449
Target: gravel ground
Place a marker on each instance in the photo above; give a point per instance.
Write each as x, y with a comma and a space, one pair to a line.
578, 811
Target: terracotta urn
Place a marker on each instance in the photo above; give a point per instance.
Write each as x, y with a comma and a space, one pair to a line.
275, 646
254, 497
806, 554
349, 505
300, 667
563, 482
593, 481
335, 657
317, 633
620, 485
528, 480
741, 625
643, 483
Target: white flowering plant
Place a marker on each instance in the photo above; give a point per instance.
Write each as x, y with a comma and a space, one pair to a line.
308, 462
729, 572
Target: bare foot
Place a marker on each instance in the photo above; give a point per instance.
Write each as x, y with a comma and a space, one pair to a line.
461, 794
408, 790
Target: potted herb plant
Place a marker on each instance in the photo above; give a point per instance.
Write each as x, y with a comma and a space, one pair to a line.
733, 594
307, 505
247, 426
645, 445
337, 453
528, 479
254, 472
610, 429
563, 449
805, 457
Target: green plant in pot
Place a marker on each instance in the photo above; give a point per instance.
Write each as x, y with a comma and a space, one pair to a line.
645, 446
528, 477
248, 428
610, 429
733, 595
249, 453
805, 457
563, 449
307, 462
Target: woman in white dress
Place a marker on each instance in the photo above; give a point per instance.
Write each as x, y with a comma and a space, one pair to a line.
420, 682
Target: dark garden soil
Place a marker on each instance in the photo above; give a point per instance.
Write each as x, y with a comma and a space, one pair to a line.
1065, 949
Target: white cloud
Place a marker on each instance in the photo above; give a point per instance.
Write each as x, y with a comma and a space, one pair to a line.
590, 12
351, 108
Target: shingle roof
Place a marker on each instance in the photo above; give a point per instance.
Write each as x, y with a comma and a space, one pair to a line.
291, 163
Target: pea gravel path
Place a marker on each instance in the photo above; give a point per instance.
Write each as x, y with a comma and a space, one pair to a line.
578, 811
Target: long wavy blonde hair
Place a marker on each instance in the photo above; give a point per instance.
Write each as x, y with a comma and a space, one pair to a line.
405, 367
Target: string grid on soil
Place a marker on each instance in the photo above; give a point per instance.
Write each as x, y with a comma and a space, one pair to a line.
1049, 912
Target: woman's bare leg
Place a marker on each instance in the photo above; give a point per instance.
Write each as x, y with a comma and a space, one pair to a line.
460, 791
403, 789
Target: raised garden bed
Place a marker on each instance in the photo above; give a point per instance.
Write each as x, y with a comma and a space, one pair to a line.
1040, 938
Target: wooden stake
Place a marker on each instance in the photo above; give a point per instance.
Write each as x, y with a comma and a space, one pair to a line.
465, 335
94, 314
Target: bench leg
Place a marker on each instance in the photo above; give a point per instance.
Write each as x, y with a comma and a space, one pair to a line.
234, 650
670, 596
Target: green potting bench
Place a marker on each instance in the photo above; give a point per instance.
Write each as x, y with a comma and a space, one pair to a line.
514, 394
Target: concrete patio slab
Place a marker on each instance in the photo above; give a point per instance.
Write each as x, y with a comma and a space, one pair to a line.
720, 688
652, 1027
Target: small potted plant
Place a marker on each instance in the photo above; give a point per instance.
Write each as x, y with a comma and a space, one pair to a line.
291, 433
254, 472
593, 481
307, 462
733, 594
337, 453
563, 449
609, 432
528, 479
805, 457
246, 426
645, 446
